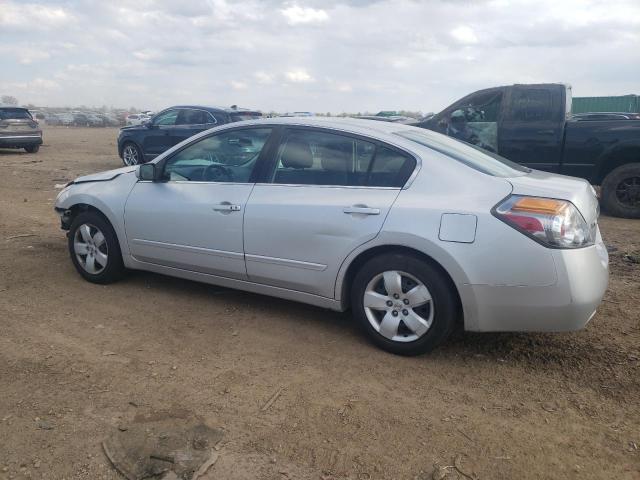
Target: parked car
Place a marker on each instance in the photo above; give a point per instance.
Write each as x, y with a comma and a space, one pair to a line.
18, 129
80, 119
66, 119
141, 143
532, 125
412, 230
37, 115
108, 120
51, 119
94, 120
136, 119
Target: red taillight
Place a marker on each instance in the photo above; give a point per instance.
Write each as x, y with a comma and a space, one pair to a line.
529, 224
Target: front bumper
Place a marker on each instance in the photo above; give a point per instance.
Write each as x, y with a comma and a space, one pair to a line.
569, 304
20, 140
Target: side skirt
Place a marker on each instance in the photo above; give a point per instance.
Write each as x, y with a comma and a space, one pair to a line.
261, 289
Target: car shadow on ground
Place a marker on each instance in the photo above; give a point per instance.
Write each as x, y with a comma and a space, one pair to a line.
12, 151
535, 351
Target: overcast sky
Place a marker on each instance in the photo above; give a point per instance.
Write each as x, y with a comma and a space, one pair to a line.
330, 55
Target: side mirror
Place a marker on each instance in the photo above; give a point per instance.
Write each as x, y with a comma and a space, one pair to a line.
147, 172
149, 124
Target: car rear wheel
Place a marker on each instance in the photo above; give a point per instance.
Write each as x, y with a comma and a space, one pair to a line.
621, 191
404, 304
94, 248
131, 154
32, 148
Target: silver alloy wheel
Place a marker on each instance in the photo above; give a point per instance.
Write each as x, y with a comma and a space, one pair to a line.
130, 155
398, 306
90, 248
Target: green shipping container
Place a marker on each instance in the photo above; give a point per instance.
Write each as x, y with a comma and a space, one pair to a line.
623, 103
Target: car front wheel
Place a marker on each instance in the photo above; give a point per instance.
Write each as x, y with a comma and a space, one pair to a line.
32, 148
94, 248
131, 154
404, 304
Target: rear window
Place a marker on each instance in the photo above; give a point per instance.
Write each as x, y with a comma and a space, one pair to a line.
14, 113
474, 157
240, 116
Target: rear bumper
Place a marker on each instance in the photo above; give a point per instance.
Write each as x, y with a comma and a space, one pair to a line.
19, 141
582, 279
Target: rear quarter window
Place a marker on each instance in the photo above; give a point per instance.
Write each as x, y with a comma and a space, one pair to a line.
474, 157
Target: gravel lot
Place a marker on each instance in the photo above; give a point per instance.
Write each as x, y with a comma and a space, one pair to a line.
78, 361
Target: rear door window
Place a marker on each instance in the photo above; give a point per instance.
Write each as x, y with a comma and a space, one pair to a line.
189, 116
531, 104
312, 157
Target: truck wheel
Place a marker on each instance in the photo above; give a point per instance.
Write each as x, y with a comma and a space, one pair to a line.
32, 148
621, 191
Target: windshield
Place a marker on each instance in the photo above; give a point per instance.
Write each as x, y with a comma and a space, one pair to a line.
238, 117
14, 113
472, 156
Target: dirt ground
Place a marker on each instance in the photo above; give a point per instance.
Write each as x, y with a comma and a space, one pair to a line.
78, 361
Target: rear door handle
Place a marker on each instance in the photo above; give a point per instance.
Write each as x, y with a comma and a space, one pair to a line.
361, 210
545, 132
226, 207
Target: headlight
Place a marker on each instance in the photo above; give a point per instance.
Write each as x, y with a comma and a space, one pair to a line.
553, 223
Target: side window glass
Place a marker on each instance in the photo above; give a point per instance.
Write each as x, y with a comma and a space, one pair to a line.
209, 119
192, 117
220, 118
230, 156
532, 104
476, 121
318, 158
166, 118
390, 168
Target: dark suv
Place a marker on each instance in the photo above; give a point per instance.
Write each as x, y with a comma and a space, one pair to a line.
18, 129
141, 143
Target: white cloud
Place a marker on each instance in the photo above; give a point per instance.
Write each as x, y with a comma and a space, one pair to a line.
296, 14
299, 76
464, 35
264, 77
292, 55
238, 85
34, 16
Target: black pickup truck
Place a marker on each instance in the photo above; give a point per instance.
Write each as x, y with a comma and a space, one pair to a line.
532, 125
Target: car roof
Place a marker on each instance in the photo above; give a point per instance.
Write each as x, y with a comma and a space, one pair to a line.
340, 123
10, 107
212, 109
383, 131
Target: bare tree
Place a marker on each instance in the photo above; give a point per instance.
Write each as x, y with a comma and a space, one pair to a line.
9, 100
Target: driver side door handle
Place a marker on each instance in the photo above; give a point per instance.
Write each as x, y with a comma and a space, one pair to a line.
361, 210
226, 207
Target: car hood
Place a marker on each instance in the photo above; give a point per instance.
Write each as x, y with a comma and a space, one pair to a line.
552, 185
128, 128
104, 176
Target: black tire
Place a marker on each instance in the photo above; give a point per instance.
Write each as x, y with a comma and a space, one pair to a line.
621, 191
444, 302
130, 148
32, 148
114, 268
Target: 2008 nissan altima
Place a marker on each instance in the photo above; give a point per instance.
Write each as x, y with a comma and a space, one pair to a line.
413, 231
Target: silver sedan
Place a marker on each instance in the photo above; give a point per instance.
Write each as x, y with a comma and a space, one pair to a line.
415, 232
